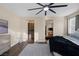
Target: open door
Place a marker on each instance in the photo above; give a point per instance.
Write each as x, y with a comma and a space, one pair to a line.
30, 32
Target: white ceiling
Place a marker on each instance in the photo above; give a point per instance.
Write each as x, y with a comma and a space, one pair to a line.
21, 9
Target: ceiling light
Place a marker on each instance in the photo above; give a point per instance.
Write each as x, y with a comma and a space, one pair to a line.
46, 8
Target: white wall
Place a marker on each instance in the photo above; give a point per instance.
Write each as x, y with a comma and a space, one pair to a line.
59, 26
13, 24
39, 34
40, 30
18, 26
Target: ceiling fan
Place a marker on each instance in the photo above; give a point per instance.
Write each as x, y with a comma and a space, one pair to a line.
47, 7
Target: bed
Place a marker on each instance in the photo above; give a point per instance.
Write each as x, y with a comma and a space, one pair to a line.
65, 45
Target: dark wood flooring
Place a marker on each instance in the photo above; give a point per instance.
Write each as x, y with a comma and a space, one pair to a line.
15, 50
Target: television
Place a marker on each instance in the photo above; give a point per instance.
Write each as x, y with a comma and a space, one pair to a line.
3, 26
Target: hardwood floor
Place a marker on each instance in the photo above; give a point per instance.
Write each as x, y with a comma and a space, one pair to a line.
15, 50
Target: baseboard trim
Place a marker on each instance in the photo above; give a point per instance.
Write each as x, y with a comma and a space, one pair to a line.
41, 42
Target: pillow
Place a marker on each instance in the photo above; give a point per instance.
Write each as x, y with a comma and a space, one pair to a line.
75, 34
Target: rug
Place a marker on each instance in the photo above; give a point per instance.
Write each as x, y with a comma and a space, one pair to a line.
36, 50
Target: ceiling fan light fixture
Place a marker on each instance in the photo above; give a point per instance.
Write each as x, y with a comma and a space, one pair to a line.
46, 8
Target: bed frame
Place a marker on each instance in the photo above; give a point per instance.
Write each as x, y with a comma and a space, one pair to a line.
63, 46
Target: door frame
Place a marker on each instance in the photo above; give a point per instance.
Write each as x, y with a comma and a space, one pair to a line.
33, 29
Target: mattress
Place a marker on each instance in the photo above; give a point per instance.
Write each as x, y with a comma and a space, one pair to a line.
72, 39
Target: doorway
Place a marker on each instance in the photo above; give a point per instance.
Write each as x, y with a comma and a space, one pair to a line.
49, 29
30, 32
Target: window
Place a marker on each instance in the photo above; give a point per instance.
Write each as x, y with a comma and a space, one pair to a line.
71, 25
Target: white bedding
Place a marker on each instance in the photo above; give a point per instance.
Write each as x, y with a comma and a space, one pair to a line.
74, 40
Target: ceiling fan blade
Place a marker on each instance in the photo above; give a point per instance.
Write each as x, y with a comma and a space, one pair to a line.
34, 9
40, 4
51, 4
52, 11
45, 13
39, 11
58, 6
